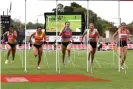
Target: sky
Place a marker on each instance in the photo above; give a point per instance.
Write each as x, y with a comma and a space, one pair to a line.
107, 10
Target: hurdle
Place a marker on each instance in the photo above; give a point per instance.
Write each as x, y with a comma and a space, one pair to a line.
45, 58
25, 69
57, 50
88, 61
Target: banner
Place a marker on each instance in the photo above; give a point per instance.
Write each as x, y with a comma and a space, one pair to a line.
53, 38
74, 46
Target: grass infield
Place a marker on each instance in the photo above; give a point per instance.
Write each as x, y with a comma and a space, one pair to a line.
108, 71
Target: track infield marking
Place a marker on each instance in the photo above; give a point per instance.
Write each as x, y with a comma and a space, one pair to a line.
14, 78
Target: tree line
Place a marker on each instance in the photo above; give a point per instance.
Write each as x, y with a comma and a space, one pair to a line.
100, 24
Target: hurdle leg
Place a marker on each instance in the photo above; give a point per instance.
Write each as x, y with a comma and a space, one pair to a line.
58, 58
91, 65
72, 63
97, 63
21, 56
74, 53
119, 57
113, 57
45, 59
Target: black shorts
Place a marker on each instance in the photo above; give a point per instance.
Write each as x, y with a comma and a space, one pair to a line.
12, 45
37, 46
122, 43
30, 44
93, 44
65, 44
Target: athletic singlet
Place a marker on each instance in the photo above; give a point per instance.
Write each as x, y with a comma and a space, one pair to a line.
66, 34
36, 37
10, 36
92, 35
122, 35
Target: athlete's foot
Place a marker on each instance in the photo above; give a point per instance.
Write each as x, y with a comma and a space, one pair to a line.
64, 65
122, 68
38, 68
69, 60
12, 61
6, 62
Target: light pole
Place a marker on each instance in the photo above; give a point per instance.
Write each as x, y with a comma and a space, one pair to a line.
39, 16
119, 19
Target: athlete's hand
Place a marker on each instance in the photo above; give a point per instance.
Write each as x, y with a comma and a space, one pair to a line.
43, 41
129, 39
81, 39
113, 41
72, 41
3, 42
30, 41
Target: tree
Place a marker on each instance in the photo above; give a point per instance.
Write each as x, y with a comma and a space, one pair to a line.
60, 8
54, 9
100, 23
75, 5
130, 24
68, 9
79, 10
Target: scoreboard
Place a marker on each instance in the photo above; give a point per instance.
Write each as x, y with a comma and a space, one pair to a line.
5, 23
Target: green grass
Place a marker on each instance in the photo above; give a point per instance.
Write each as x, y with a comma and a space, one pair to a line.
119, 80
51, 25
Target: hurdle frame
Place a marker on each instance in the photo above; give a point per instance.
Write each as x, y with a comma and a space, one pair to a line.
57, 50
25, 69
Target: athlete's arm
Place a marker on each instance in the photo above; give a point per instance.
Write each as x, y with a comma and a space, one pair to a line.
116, 33
44, 36
4, 36
85, 32
5, 33
128, 35
60, 32
15, 34
71, 39
98, 36
31, 36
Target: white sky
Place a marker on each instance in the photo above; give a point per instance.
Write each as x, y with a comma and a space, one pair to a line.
107, 10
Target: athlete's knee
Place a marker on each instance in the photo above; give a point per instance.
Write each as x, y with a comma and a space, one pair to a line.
90, 49
124, 57
35, 54
120, 56
69, 49
93, 53
10, 50
40, 54
63, 53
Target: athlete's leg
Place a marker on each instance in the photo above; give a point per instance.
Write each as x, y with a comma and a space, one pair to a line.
40, 50
69, 49
13, 52
120, 51
35, 51
93, 54
90, 52
9, 50
8, 54
124, 55
69, 46
63, 53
